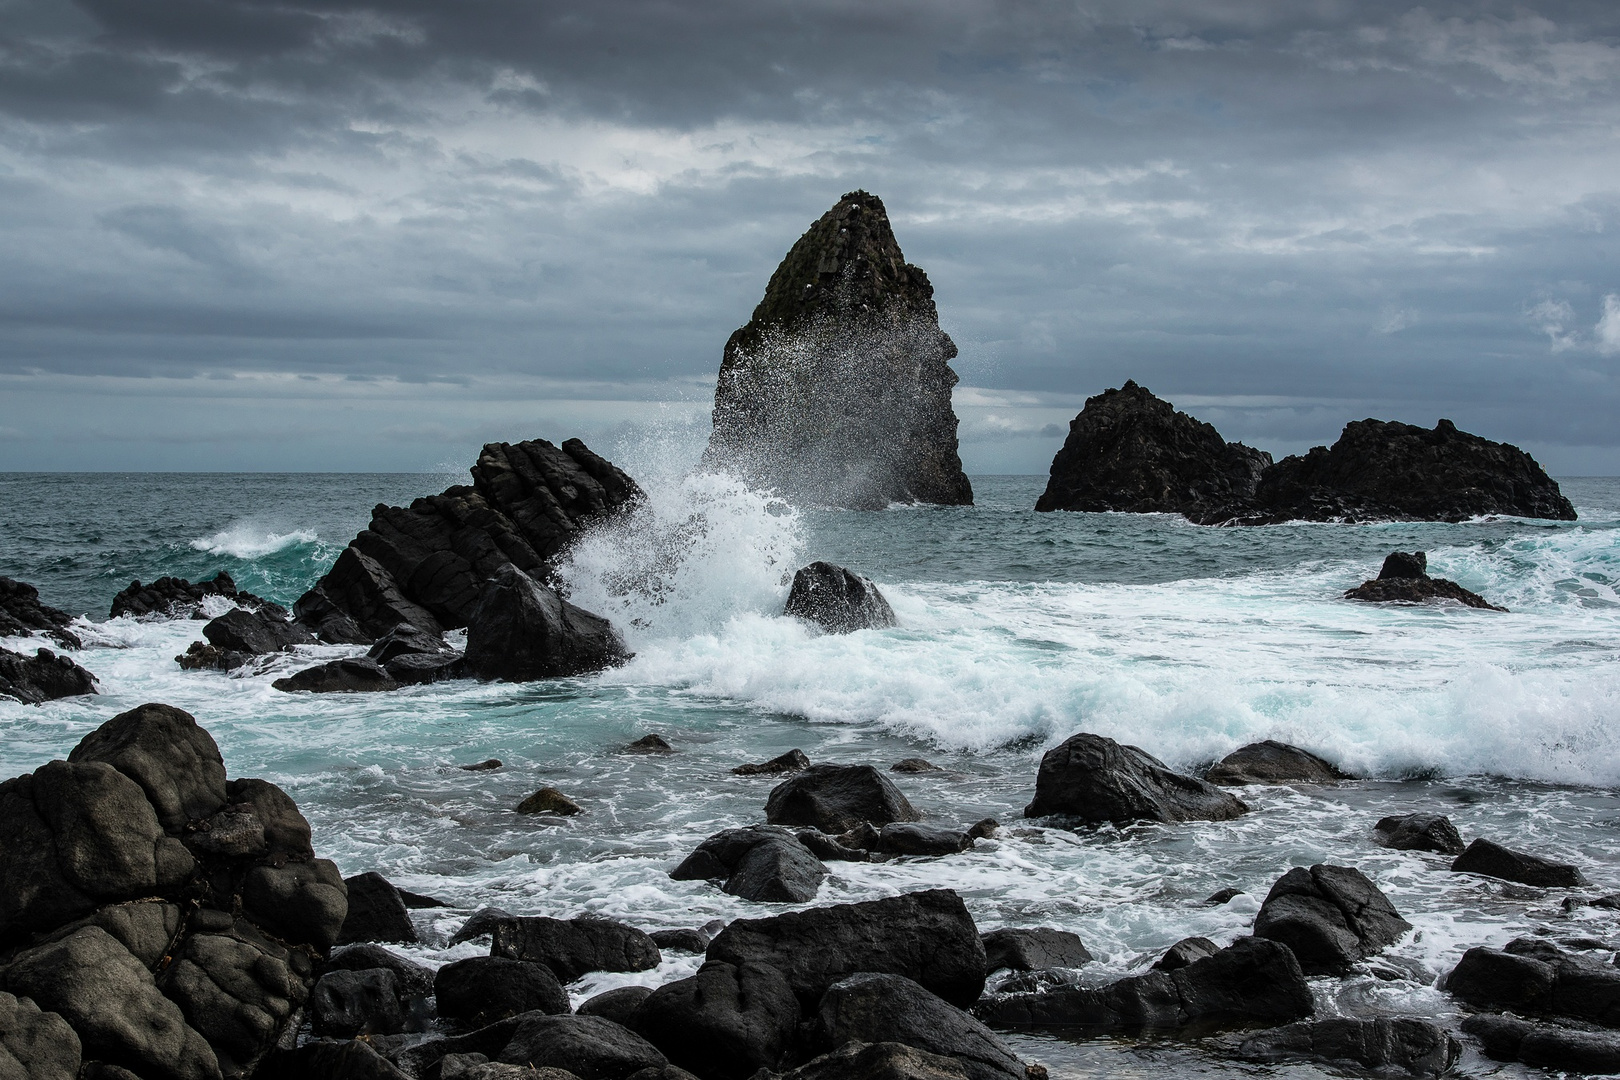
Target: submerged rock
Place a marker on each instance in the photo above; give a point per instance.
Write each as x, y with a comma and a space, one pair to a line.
914, 765
838, 390
201, 656
650, 744
42, 677
835, 798
1097, 779
1330, 916
548, 800
1404, 579
1419, 832
1494, 860
522, 630
1128, 450
757, 863
1387, 1044
1272, 762
177, 598
792, 761
355, 675
837, 600
21, 614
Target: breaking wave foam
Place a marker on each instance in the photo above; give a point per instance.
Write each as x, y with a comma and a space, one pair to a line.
245, 540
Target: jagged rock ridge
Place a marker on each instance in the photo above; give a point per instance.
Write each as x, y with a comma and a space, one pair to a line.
425, 565
838, 390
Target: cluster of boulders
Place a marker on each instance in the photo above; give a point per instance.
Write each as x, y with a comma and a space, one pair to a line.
44, 676
1130, 451
1404, 578
177, 598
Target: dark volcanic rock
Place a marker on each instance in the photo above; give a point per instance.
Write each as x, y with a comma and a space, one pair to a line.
826, 847
348, 1003
914, 765
616, 1005
1404, 579
1184, 952
879, 1061
792, 761
256, 633
42, 677
21, 614
41, 1043
1384, 470
1031, 949
376, 912
836, 798
1272, 762
692, 941
574, 947
838, 391
176, 763
481, 922
407, 640
1128, 450
1251, 981
928, 937
869, 1008
757, 863
483, 989
1494, 860
1330, 916
650, 744
1546, 1046
1532, 976
548, 800
590, 1047
414, 979
1419, 832
329, 1059
354, 675
726, 1022
908, 838
522, 630
426, 564
201, 656
837, 600
177, 598
1404, 1044
1098, 779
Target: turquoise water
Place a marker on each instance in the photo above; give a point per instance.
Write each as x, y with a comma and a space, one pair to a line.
1016, 630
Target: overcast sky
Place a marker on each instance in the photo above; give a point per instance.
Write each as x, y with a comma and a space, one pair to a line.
333, 235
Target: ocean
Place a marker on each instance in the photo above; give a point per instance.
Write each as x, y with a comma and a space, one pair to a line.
1016, 630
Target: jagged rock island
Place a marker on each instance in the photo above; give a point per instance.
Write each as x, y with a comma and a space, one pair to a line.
1130, 451
838, 391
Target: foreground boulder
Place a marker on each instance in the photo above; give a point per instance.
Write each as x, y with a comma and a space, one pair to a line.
1419, 832
177, 598
354, 675
1399, 1044
590, 1047
762, 862
1033, 949
879, 1061
574, 947
522, 630
837, 600
22, 614
376, 912
1534, 977
1546, 1046
928, 937
42, 677
1272, 762
34, 1044
872, 1008
1127, 450
838, 390
483, 989
172, 918
1494, 860
1404, 579
1251, 981
1097, 779
426, 565
1330, 916
837, 798
727, 1021
1187, 951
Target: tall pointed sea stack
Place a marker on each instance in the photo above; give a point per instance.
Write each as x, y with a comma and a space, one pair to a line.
838, 391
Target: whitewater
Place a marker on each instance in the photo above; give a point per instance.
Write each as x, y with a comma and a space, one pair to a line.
1015, 631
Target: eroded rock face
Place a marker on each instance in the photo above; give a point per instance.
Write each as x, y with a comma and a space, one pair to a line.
1330, 916
1034, 948
522, 630
426, 565
44, 676
836, 798
837, 600
838, 391
1129, 450
1097, 779
1272, 762
34, 1044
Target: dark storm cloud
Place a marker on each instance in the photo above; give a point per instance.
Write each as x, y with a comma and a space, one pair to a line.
1291, 214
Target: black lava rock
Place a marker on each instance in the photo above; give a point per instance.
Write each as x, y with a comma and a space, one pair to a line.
1404, 579
356, 675
1387, 1044
872, 1008
617, 1005
1272, 762
1330, 916
757, 863
574, 947
792, 761
909, 838
590, 1047
1185, 952
1097, 779
414, 979
727, 1021
483, 989
376, 912
1532, 976
689, 941
835, 798
1034, 948
350, 1003
21, 614
257, 633
177, 598
1494, 860
42, 677
1546, 1046
1419, 832
522, 630
879, 1061
837, 600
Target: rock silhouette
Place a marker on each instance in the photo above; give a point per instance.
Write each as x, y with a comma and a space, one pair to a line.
838, 390
1404, 578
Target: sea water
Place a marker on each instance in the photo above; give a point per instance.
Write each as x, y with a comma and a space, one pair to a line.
1016, 630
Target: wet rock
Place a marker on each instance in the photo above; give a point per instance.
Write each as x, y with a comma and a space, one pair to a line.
408, 640
1546, 1046
984, 828
359, 601
1223, 896
478, 1067
879, 1061
548, 800
1097, 779
574, 947
177, 598
616, 1005
1128, 450
42, 677
285, 830
908, 838
300, 902
488, 765
256, 633
1404, 564
1272, 762
176, 763
201, 656
792, 761
349, 1003
1494, 860
914, 765
414, 979
416, 669
1251, 981
1404, 579
826, 847
1032, 948
690, 941
838, 390
1330, 916
418, 902
483, 989
481, 922
929, 937
835, 798
837, 600
376, 912
35, 1045
779, 870
238, 989
1399, 1044
22, 614
1185, 952
1419, 832
650, 744
1532, 976
588, 1046
355, 675
869, 1008
329, 1059
726, 1021
522, 630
